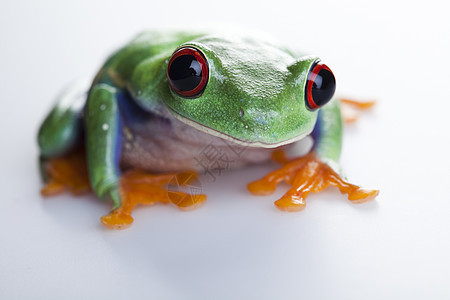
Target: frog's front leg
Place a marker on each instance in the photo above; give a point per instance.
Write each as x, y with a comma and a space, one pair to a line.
315, 171
103, 144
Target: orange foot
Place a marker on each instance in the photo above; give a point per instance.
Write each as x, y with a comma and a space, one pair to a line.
137, 187
305, 174
349, 109
68, 173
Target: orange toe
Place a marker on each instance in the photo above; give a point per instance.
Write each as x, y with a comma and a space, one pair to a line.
262, 187
117, 220
350, 108
362, 195
290, 203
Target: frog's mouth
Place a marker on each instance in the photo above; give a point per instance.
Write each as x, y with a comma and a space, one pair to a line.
240, 142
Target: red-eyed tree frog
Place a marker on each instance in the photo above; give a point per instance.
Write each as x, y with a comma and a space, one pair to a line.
161, 100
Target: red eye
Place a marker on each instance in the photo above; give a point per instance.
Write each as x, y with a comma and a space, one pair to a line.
320, 86
188, 72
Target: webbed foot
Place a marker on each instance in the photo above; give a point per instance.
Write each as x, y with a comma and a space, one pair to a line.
306, 174
68, 173
137, 187
350, 108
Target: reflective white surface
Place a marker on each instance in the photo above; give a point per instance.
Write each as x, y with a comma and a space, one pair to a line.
239, 246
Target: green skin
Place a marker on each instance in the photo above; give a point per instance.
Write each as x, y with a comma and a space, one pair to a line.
254, 97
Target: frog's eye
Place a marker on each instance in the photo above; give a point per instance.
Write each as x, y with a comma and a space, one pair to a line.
320, 86
188, 72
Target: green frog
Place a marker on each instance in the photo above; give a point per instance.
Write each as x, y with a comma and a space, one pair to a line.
158, 103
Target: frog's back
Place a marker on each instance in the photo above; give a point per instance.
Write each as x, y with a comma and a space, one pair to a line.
119, 67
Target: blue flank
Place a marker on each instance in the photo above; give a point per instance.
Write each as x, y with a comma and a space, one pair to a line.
317, 131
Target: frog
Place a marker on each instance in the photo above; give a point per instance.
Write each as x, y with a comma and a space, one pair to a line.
160, 100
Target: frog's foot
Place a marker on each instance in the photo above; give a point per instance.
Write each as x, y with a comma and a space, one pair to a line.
137, 187
350, 108
306, 174
68, 173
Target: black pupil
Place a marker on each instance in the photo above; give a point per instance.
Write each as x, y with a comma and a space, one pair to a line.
185, 73
323, 87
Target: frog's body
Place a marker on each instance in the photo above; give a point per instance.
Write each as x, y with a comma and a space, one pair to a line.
247, 97
162, 143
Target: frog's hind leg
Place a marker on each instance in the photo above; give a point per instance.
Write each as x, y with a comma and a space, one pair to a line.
62, 160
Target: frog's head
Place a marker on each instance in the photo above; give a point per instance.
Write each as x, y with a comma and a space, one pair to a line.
247, 91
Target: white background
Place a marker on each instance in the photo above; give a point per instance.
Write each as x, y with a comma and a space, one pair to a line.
239, 246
